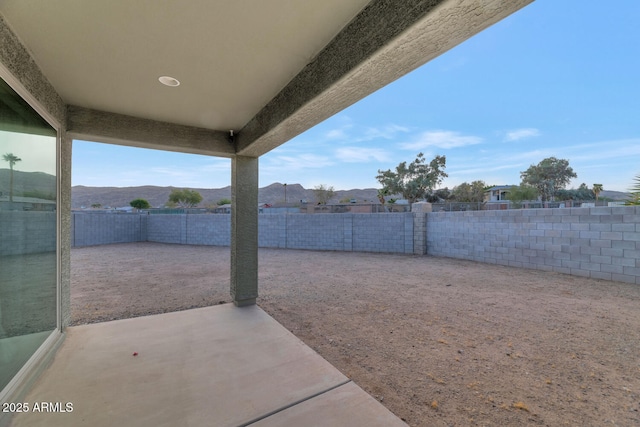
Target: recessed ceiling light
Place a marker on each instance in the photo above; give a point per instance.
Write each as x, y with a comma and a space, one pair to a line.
169, 81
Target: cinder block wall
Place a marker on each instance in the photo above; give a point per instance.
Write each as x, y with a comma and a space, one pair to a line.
335, 232
88, 229
602, 243
318, 232
212, 230
393, 233
383, 232
30, 232
166, 228
272, 230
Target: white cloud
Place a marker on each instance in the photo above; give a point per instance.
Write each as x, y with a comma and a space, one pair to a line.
301, 161
336, 134
518, 134
464, 170
622, 149
527, 156
385, 132
441, 139
219, 166
360, 134
361, 154
341, 126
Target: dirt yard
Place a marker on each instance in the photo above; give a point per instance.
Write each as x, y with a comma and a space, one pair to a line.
440, 342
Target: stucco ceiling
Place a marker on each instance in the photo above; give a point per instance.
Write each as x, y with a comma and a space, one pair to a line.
230, 56
267, 69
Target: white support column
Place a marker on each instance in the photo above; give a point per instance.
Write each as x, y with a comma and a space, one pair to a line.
244, 230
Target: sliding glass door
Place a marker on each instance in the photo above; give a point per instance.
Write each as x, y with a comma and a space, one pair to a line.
28, 232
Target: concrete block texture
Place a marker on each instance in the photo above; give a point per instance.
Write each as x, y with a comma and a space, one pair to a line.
594, 242
88, 229
392, 233
30, 232
582, 248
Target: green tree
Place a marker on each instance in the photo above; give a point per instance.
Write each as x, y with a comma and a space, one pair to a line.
185, 198
12, 159
323, 193
581, 193
597, 189
223, 202
521, 193
96, 205
548, 176
415, 180
439, 195
469, 193
139, 204
382, 193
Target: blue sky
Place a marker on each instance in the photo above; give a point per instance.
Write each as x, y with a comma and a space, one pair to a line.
558, 78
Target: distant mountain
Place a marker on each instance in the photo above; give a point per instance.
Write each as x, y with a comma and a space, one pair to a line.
274, 194
30, 184
614, 195
82, 196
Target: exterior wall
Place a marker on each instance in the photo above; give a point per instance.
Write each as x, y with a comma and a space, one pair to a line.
31, 232
208, 230
167, 229
602, 243
272, 230
88, 229
392, 233
383, 233
214, 230
318, 232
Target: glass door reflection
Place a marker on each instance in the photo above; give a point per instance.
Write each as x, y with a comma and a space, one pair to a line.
28, 232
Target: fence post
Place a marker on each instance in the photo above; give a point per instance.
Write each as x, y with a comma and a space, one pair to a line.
419, 213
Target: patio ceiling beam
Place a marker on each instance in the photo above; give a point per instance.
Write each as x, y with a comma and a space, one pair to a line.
111, 128
18, 68
384, 42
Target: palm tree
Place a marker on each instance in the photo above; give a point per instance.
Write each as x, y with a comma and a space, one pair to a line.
634, 199
12, 159
381, 194
597, 189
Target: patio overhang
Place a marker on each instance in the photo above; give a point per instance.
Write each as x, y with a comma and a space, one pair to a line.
249, 76
252, 75
266, 70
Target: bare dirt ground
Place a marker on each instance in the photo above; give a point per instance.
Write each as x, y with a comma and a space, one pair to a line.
440, 342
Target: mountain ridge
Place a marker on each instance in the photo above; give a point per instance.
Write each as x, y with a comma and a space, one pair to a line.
157, 196
84, 196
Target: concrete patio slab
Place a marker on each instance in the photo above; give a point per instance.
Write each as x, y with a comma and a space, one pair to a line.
217, 366
346, 405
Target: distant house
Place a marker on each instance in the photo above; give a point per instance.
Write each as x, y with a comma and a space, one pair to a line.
498, 193
26, 203
226, 209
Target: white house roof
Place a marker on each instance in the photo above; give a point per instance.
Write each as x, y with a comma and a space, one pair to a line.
500, 187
